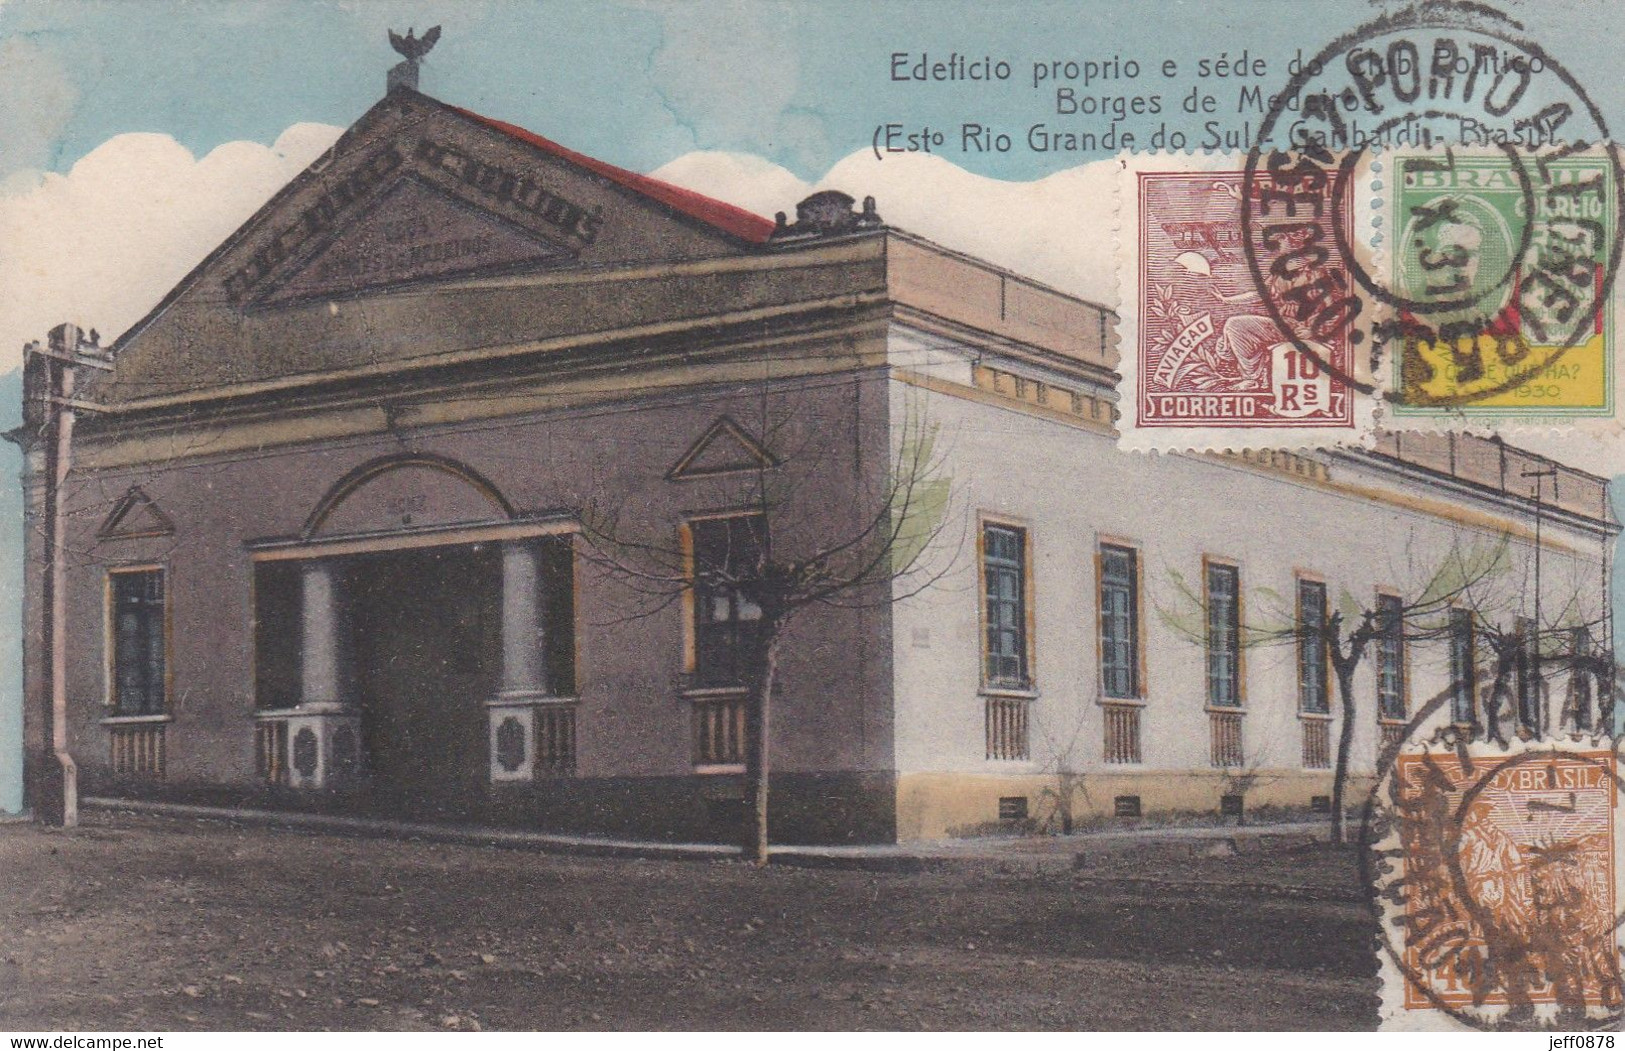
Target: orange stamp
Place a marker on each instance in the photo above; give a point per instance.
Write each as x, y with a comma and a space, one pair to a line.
1499, 888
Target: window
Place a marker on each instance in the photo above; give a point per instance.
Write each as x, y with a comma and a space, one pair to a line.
1004, 580
1527, 669
1313, 694
1463, 675
1583, 671
138, 642
1390, 657
1223, 636
726, 618
1119, 622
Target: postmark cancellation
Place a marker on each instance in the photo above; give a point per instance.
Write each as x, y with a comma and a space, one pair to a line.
1495, 875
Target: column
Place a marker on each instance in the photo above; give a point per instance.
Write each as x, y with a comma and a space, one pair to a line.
524, 672
319, 652
529, 729
323, 731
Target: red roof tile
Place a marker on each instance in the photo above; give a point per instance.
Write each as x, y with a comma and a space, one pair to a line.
745, 225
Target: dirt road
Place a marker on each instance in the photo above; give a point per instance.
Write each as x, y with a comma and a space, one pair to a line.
144, 923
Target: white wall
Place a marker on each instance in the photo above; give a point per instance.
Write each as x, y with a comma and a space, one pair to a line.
1070, 487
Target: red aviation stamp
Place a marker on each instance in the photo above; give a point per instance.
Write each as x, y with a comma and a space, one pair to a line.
1503, 899
1209, 352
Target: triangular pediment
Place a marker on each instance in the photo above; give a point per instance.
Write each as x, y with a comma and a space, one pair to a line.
415, 232
417, 216
419, 190
135, 515
725, 447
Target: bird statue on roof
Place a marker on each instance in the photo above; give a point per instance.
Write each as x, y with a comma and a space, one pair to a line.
412, 48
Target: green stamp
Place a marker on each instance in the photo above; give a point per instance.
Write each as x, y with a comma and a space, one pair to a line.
1500, 285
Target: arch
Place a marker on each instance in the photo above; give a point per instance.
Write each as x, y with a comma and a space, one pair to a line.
374, 472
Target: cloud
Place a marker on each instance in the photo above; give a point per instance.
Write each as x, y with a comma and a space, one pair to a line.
1057, 229
101, 245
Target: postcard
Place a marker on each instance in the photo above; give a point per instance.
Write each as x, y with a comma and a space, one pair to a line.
796, 516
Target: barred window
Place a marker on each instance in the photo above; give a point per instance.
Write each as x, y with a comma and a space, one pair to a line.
138, 662
1390, 657
1004, 579
1223, 636
1119, 622
1463, 675
1313, 693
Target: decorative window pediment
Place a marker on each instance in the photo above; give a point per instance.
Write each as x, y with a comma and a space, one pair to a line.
135, 515
723, 448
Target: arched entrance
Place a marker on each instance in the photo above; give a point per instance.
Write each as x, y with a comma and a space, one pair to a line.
421, 602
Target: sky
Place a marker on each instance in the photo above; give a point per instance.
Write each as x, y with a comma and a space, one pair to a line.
135, 136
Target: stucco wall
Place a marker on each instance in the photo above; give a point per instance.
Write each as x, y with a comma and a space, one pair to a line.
1071, 489
832, 712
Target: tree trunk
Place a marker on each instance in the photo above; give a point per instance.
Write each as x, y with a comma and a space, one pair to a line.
757, 722
1345, 745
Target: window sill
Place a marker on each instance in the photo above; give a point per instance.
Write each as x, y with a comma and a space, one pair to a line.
706, 693
1015, 693
1121, 702
539, 700
1218, 709
1316, 717
719, 768
1393, 720
136, 720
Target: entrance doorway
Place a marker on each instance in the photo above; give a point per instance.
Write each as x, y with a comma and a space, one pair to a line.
426, 626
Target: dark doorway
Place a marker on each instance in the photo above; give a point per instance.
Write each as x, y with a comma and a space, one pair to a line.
427, 632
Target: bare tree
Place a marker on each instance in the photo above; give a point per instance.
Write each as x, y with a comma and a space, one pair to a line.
1525, 660
1465, 572
775, 565
1063, 764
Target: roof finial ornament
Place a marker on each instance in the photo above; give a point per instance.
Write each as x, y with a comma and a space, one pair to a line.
412, 48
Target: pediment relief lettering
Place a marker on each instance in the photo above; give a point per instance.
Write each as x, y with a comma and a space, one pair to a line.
415, 233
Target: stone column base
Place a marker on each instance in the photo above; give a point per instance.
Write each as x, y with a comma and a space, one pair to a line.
320, 745
530, 734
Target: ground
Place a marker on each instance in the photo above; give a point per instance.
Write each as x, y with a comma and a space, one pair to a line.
149, 923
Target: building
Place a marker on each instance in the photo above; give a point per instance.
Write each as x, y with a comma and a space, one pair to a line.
325, 539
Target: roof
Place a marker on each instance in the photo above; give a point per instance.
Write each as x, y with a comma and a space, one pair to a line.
745, 225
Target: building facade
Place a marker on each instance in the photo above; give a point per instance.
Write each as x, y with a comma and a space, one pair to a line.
433, 491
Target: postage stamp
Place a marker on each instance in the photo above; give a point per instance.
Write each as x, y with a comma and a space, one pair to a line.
1205, 353
1524, 253
1495, 872
1486, 264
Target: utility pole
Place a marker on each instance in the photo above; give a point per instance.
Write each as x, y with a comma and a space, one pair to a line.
49, 374
1542, 714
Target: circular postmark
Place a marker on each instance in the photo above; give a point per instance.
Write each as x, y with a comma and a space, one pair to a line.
1503, 192
1492, 873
